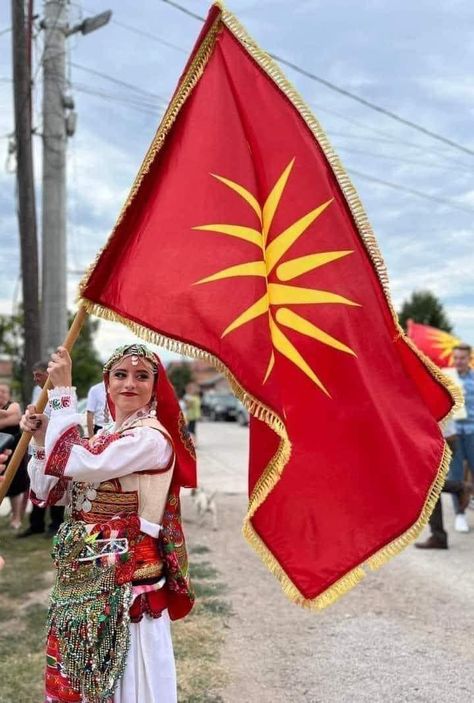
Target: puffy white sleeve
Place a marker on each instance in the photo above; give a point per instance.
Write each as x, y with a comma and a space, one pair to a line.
68, 456
45, 490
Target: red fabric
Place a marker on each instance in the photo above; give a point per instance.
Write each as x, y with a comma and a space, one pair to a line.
366, 451
436, 344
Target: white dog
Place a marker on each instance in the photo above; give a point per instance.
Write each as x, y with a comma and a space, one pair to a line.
205, 502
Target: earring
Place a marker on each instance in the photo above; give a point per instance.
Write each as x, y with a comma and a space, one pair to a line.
152, 411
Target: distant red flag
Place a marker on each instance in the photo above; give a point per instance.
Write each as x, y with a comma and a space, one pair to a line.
436, 344
244, 242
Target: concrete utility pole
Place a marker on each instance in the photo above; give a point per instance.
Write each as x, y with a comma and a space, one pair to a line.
56, 128
26, 190
54, 297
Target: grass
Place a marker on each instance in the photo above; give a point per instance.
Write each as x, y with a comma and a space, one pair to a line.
24, 586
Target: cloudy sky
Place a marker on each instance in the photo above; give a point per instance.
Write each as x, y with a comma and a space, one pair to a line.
413, 58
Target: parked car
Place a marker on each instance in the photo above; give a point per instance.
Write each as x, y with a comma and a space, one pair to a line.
219, 406
242, 416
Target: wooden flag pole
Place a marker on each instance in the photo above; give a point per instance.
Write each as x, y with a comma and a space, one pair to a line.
22, 445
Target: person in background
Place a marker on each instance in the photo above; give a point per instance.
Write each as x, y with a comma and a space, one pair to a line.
97, 416
463, 375
10, 416
192, 403
438, 538
38, 514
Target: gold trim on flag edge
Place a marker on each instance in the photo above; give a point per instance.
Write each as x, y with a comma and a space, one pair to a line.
274, 469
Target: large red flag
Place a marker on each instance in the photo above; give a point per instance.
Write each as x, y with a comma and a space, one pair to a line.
244, 242
436, 344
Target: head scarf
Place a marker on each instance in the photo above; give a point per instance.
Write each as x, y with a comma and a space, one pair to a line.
168, 411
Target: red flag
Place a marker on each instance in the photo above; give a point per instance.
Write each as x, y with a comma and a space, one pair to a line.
244, 242
436, 344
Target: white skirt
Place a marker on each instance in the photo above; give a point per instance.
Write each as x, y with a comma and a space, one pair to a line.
150, 673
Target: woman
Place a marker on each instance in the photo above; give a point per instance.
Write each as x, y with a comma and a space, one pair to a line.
10, 415
121, 557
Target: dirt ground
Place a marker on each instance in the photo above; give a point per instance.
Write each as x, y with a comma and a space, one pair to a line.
404, 635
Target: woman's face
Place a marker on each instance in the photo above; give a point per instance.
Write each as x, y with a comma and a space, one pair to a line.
4, 394
131, 385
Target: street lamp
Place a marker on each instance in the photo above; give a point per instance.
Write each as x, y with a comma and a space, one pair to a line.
90, 24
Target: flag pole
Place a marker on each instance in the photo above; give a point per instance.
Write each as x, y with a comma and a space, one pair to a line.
22, 445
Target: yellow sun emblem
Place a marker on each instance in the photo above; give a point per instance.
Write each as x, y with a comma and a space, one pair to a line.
444, 343
279, 294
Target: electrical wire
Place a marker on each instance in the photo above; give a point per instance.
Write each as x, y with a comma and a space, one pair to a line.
411, 191
117, 81
348, 94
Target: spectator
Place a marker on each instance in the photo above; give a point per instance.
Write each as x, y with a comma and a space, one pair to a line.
192, 403
38, 515
10, 415
97, 416
463, 375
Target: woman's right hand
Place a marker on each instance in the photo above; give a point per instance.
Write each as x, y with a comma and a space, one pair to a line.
36, 423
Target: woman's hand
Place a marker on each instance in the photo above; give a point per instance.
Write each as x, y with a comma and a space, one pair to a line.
35, 423
60, 368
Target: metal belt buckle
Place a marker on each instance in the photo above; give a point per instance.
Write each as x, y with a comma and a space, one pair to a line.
104, 548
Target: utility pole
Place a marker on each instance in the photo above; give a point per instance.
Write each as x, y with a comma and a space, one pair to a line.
56, 128
25, 189
54, 294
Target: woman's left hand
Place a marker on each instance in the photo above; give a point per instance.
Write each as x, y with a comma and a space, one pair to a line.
60, 368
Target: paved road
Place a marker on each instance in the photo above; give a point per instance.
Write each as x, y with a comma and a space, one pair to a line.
404, 635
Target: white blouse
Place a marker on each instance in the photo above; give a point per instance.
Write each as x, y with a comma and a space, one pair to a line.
136, 449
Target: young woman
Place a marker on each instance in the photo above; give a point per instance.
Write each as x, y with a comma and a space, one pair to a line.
120, 555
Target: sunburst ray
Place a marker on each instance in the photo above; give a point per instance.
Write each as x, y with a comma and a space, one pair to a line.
281, 294
255, 310
251, 268
243, 192
270, 366
280, 245
273, 199
303, 264
290, 319
249, 234
285, 347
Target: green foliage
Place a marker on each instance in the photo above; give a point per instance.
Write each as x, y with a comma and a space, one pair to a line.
11, 344
86, 364
180, 375
425, 308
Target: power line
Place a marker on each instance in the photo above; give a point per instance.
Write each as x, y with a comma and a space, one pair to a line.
140, 32
411, 191
402, 160
5, 31
348, 94
117, 81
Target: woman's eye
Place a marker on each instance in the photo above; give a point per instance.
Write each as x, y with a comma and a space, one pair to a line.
143, 377
119, 374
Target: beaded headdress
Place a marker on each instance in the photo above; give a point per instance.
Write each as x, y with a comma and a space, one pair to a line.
136, 351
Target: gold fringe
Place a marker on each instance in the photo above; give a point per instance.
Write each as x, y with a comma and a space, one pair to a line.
398, 544
276, 466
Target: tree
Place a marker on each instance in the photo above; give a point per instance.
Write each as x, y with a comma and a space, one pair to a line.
179, 375
11, 345
86, 364
425, 308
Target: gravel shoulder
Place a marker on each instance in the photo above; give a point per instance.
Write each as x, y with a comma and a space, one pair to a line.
404, 635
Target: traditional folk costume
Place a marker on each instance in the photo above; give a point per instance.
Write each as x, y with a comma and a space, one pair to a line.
120, 555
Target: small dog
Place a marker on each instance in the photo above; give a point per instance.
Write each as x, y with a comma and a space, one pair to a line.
205, 502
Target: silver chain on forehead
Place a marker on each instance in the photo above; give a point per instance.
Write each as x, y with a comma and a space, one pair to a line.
136, 351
